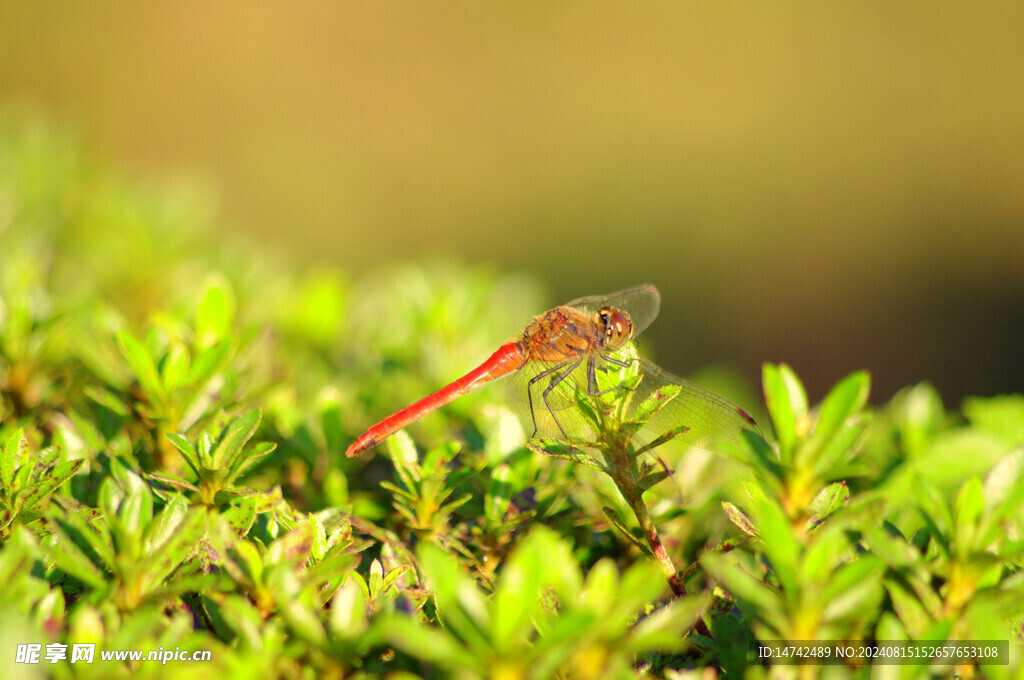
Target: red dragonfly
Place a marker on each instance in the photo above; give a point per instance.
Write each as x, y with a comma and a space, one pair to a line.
569, 345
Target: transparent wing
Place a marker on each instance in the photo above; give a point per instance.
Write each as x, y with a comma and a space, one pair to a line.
711, 419
555, 415
641, 302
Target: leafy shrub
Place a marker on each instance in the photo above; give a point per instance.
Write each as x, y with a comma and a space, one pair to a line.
172, 418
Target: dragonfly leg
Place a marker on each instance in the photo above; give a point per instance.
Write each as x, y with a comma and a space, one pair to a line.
592, 376
529, 392
618, 362
552, 385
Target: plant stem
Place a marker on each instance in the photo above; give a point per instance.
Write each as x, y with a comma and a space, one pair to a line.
643, 517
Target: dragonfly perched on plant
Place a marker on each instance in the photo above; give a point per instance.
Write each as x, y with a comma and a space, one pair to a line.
580, 352
574, 353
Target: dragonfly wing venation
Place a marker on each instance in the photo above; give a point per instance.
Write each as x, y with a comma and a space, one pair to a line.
640, 302
558, 414
711, 419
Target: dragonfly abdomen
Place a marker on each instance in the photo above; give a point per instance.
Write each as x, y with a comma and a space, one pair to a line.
505, 360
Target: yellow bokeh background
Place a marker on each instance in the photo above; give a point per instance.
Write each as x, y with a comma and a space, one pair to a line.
835, 185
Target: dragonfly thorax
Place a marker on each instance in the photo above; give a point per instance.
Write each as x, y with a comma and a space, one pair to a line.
616, 327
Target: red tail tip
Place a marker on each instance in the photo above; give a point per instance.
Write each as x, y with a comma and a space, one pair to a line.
359, 445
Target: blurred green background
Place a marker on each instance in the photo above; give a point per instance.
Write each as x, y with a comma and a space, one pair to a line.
836, 185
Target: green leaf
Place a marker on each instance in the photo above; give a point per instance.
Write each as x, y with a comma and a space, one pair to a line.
302, 618
70, 559
737, 517
780, 544
639, 586
499, 494
584, 403
969, 505
845, 399
136, 510
248, 557
664, 629
613, 516
430, 644
662, 439
392, 577
832, 498
252, 458
1004, 494
601, 585
855, 588
88, 526
919, 416
107, 399
516, 602
188, 452
1002, 416
209, 362
234, 437
175, 367
182, 543
142, 365
1004, 484
241, 515
559, 449
821, 557
909, 608
656, 401
760, 600
403, 454
51, 480
656, 477
331, 422
957, 454
841, 447
460, 603
376, 580
15, 450
787, 403
348, 618
166, 523
216, 311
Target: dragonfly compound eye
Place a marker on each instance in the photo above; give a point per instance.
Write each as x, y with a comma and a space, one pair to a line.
617, 326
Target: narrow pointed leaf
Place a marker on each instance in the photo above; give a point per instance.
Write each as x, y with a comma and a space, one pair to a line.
235, 435
188, 452
175, 368
142, 364
166, 523
830, 499
616, 520
430, 644
50, 480
844, 400
209, 362
787, 403
559, 449
656, 401
13, 453
70, 559
664, 438
177, 549
737, 517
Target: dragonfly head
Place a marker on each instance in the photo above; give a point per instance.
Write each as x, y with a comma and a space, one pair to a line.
616, 327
